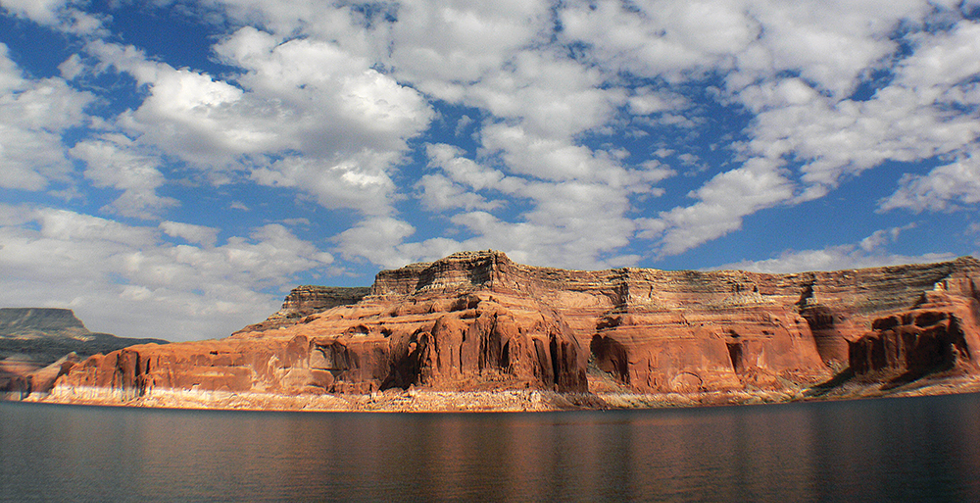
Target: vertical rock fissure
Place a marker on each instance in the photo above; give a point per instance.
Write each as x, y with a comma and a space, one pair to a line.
735, 355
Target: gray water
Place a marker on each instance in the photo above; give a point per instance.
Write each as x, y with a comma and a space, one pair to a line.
911, 449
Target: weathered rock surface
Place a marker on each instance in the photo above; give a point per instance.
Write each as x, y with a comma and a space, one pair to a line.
37, 345
938, 334
305, 300
476, 321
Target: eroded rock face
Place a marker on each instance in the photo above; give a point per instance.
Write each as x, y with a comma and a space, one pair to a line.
468, 342
305, 300
478, 321
38, 345
940, 333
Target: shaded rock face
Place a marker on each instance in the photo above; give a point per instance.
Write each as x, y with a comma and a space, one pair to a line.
465, 343
34, 322
478, 321
940, 333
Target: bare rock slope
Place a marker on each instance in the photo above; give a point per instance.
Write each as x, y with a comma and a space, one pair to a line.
477, 321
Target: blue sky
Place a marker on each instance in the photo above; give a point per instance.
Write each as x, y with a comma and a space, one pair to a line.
171, 168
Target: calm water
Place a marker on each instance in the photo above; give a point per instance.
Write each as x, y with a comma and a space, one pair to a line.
921, 449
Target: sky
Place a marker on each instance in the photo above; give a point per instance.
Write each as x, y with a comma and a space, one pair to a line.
172, 168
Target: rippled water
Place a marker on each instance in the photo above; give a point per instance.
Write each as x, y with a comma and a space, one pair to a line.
914, 449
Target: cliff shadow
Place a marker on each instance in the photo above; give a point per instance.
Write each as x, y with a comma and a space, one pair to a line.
610, 357
833, 383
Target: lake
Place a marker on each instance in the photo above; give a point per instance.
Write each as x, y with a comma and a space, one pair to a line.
907, 449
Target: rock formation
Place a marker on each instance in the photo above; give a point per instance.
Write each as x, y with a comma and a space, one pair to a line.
939, 333
37, 345
476, 321
305, 300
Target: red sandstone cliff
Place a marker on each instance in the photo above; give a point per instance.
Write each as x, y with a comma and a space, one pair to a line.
478, 321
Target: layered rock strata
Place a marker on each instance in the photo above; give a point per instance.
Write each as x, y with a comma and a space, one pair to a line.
476, 321
305, 300
938, 334
37, 345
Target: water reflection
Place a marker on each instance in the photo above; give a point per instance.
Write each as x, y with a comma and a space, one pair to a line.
896, 449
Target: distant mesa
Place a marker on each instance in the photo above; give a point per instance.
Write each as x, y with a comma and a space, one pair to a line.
34, 339
478, 322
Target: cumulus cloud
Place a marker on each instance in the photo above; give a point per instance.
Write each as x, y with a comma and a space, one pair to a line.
786, 64
441, 193
444, 47
114, 161
800, 90
944, 188
565, 219
304, 114
195, 234
377, 239
60, 14
34, 113
132, 283
41, 11
869, 252
723, 202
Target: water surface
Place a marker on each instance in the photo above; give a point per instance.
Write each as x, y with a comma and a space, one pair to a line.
910, 449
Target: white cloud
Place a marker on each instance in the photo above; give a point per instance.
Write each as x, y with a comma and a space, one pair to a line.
125, 280
573, 212
869, 252
525, 153
440, 193
723, 202
834, 258
357, 182
40, 11
376, 239
812, 120
445, 47
308, 115
552, 96
939, 190
114, 161
197, 234
60, 14
33, 116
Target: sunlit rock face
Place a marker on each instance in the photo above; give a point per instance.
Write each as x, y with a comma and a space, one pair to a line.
477, 321
306, 300
38, 345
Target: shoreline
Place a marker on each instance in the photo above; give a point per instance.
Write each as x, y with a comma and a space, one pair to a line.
432, 401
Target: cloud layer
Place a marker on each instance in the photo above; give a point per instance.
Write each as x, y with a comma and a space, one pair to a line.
306, 140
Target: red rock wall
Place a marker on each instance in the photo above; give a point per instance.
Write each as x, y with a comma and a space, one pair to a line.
477, 321
941, 333
468, 343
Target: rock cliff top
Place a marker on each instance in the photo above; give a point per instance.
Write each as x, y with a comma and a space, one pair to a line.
477, 322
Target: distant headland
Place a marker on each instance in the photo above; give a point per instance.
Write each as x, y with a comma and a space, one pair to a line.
477, 331
38, 345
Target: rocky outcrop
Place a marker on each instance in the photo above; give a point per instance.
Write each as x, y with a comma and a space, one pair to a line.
37, 323
476, 321
38, 345
305, 300
467, 342
940, 333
